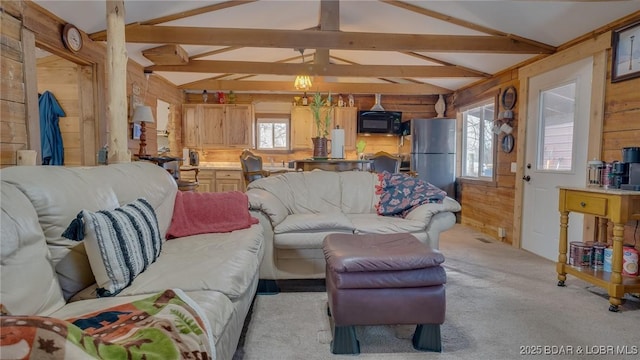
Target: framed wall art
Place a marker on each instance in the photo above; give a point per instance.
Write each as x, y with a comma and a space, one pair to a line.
136, 100
625, 45
136, 131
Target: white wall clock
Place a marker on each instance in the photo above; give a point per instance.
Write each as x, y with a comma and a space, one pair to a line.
72, 38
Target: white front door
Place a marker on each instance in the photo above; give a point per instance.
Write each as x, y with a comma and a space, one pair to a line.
556, 153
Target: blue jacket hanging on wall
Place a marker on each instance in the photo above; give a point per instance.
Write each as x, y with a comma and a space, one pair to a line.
50, 136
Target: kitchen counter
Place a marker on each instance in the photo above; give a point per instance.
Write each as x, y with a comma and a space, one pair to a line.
333, 164
220, 165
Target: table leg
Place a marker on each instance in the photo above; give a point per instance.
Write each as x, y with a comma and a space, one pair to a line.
615, 297
562, 257
602, 229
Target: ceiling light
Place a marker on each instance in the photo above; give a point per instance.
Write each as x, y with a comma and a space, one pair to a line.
302, 82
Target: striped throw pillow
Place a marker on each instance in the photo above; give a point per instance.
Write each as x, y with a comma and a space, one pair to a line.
121, 244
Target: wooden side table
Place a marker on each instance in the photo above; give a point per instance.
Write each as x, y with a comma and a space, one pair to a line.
619, 206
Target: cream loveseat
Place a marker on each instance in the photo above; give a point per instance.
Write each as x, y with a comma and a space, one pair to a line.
45, 274
297, 210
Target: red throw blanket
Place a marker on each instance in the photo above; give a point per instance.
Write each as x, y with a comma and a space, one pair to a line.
200, 213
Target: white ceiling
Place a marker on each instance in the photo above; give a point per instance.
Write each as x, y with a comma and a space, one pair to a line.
549, 22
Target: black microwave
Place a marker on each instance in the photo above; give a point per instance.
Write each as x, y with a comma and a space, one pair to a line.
379, 122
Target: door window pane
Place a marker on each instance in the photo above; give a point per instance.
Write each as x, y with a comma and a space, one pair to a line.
557, 119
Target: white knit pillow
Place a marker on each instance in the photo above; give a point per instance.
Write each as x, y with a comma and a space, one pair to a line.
121, 244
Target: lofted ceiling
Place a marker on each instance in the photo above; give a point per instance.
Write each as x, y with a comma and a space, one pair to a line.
358, 46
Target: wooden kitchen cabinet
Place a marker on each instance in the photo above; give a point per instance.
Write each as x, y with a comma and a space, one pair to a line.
229, 180
212, 126
303, 126
190, 126
238, 125
206, 179
347, 118
217, 125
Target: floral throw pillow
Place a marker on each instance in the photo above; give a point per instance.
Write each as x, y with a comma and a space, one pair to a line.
400, 193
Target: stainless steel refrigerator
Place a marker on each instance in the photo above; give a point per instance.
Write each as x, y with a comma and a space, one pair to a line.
433, 152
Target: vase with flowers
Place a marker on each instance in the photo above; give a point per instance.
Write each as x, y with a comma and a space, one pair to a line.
321, 110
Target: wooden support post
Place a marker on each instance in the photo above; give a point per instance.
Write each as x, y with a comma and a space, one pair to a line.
117, 84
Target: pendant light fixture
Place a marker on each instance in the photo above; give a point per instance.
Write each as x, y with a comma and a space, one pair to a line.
302, 82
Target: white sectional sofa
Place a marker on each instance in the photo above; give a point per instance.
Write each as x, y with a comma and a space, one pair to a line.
45, 274
297, 210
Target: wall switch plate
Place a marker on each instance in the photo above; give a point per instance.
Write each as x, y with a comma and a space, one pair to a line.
514, 167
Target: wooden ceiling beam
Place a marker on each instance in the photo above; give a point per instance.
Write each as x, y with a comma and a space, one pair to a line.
167, 55
280, 86
102, 35
300, 39
251, 67
466, 24
437, 61
329, 21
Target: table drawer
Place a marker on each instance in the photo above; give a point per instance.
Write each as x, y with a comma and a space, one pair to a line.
587, 204
228, 174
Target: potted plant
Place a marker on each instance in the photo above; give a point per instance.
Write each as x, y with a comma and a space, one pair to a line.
321, 111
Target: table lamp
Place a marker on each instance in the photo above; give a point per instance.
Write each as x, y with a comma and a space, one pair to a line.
142, 114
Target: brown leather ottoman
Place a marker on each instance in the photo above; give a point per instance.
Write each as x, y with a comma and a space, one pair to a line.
384, 280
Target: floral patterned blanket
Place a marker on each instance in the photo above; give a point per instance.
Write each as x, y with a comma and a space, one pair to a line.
401, 193
164, 326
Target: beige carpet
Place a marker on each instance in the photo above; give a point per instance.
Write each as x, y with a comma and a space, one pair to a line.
500, 302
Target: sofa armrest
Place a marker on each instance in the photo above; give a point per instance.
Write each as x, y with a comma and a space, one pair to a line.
267, 203
425, 212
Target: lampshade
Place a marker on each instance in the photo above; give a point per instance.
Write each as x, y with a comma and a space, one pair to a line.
142, 113
302, 82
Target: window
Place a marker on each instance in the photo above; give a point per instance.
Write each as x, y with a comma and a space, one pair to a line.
478, 140
557, 118
272, 131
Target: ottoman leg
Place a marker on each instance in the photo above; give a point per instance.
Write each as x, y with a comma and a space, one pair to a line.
427, 338
345, 341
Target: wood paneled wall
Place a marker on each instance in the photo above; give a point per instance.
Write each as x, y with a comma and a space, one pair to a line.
150, 91
621, 126
489, 206
19, 17
60, 77
13, 123
621, 129
486, 206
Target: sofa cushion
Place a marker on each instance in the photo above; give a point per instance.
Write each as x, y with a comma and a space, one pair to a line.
58, 194
314, 223
224, 262
54, 192
304, 192
25, 259
121, 244
304, 240
134, 180
358, 192
378, 224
